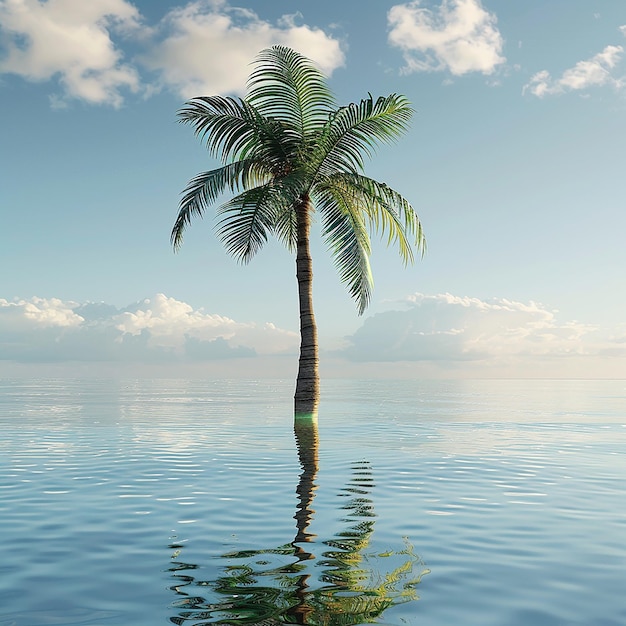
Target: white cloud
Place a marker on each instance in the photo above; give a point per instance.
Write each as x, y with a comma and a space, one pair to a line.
594, 72
38, 313
69, 40
206, 47
461, 36
158, 328
450, 329
430, 336
170, 323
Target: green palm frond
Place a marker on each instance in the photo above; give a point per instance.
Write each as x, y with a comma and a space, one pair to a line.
289, 87
355, 130
234, 129
388, 212
293, 187
204, 189
221, 122
345, 231
286, 227
248, 219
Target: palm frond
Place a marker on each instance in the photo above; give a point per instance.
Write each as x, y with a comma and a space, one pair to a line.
293, 187
234, 129
354, 132
221, 122
248, 219
289, 87
204, 189
348, 240
387, 211
286, 227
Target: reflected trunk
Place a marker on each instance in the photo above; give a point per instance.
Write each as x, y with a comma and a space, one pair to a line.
307, 442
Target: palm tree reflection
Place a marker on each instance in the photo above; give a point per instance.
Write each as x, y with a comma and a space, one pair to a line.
289, 585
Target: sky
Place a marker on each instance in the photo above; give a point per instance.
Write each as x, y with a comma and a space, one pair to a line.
514, 162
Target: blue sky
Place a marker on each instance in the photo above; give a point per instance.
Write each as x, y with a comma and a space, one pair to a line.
515, 163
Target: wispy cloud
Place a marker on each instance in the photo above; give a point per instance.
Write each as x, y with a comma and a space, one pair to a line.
203, 47
206, 47
70, 40
460, 36
600, 70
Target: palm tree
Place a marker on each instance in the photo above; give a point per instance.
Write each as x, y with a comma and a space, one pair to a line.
288, 151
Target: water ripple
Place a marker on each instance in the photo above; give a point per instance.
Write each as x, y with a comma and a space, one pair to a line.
514, 497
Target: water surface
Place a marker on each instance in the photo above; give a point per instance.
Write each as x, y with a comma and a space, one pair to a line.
432, 502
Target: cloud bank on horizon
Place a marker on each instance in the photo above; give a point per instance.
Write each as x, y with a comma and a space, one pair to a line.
158, 328
454, 333
99, 51
444, 327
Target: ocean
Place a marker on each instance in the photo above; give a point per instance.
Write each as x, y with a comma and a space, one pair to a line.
430, 503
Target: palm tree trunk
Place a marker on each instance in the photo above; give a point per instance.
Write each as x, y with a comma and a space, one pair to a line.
307, 394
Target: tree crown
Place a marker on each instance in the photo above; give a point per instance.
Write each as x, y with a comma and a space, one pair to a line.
287, 144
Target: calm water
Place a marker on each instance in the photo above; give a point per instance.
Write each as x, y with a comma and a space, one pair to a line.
434, 503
